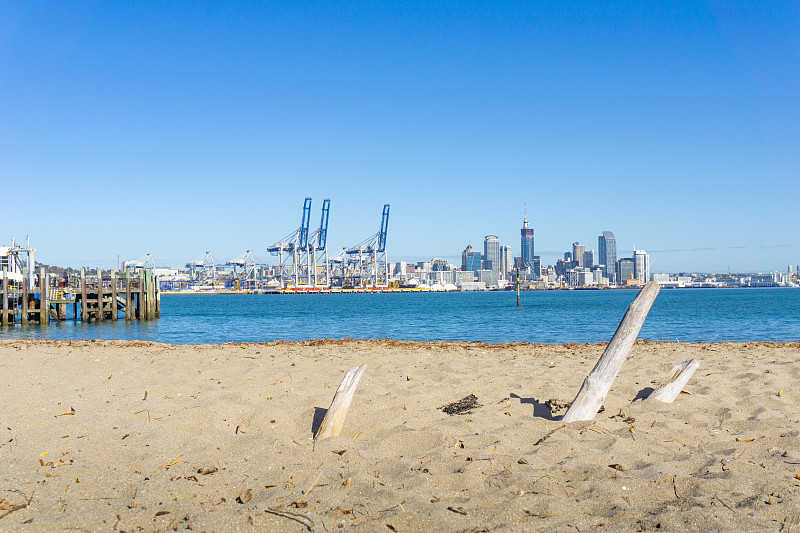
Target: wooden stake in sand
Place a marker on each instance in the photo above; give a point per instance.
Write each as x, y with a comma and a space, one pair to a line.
679, 376
597, 384
332, 424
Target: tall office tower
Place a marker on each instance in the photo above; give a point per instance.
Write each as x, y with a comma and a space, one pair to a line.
491, 253
624, 270
607, 251
641, 266
567, 256
526, 243
577, 253
588, 259
470, 259
506, 261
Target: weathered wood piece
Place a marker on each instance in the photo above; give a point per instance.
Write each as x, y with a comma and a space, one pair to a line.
597, 384
673, 385
332, 424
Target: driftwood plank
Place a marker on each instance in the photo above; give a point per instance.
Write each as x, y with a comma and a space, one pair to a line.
679, 376
332, 424
597, 384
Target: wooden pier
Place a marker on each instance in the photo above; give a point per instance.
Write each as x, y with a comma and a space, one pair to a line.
93, 297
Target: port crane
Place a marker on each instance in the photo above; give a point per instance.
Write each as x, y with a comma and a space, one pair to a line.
303, 257
367, 264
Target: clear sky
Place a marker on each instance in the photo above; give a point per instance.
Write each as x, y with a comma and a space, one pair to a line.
173, 128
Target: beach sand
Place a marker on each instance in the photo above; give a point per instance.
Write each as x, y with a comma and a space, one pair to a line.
132, 436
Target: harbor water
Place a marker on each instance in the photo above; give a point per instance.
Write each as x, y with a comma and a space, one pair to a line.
551, 317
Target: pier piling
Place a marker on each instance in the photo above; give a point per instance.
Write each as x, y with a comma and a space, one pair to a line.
26, 301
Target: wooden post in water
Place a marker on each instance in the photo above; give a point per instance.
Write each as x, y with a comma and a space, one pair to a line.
597, 384
44, 302
5, 296
158, 298
128, 304
24, 317
113, 294
517, 287
99, 295
140, 307
84, 311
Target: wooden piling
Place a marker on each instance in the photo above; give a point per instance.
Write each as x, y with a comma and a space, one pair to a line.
99, 295
84, 310
24, 317
113, 294
44, 302
128, 302
5, 296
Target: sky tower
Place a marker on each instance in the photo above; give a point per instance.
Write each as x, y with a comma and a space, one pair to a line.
526, 244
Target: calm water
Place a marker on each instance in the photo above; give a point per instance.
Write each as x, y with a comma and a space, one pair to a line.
690, 315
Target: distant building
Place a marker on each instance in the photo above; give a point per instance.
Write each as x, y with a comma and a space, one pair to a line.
588, 259
577, 252
470, 259
462, 277
624, 270
438, 264
567, 256
489, 277
491, 253
607, 251
526, 244
505, 261
641, 265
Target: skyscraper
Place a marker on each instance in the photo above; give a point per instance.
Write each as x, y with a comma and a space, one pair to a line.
491, 253
505, 261
641, 265
577, 253
526, 244
607, 251
470, 259
588, 259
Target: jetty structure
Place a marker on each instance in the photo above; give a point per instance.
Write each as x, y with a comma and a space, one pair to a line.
28, 295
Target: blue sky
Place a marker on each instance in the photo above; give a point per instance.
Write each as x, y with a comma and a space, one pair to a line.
129, 128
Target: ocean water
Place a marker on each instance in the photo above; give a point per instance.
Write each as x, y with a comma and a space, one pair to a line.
551, 317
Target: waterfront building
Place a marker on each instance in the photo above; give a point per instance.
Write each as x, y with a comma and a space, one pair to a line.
641, 265
491, 253
470, 259
463, 277
526, 243
607, 251
624, 270
577, 252
488, 277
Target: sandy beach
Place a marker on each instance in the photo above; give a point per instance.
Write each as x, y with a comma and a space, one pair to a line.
132, 436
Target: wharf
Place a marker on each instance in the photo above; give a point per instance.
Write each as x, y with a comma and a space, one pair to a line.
93, 297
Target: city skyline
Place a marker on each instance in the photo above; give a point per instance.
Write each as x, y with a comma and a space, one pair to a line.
174, 129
